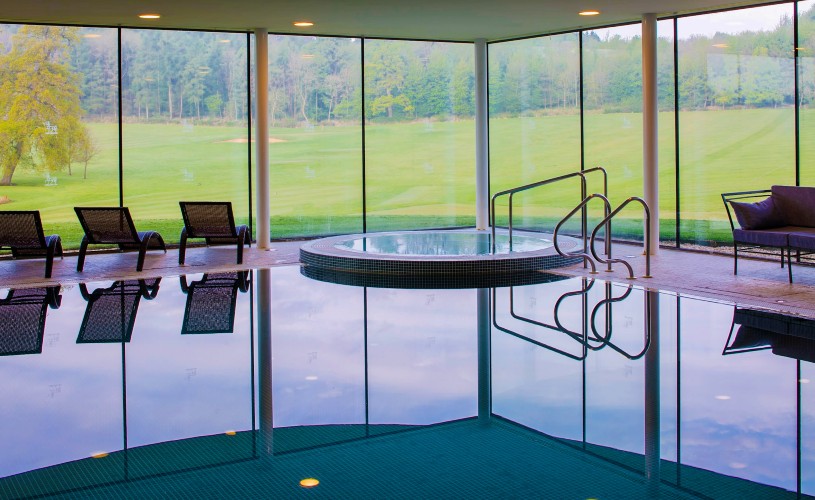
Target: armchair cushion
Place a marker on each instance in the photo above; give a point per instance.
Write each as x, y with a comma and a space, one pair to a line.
761, 215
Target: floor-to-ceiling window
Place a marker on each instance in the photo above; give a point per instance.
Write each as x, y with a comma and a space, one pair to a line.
315, 143
419, 135
736, 116
58, 137
805, 52
185, 135
534, 99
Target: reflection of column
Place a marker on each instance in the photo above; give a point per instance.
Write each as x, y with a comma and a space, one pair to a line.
652, 423
264, 309
650, 110
262, 137
482, 190
484, 376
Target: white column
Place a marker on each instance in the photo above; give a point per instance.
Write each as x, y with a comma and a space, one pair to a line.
264, 322
650, 113
263, 212
482, 188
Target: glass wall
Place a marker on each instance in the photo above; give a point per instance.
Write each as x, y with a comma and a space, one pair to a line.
806, 90
419, 135
59, 139
534, 96
612, 117
185, 129
315, 143
736, 119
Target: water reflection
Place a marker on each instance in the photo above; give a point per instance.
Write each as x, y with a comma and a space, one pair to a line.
614, 376
22, 319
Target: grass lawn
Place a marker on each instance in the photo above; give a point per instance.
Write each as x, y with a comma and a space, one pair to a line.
422, 174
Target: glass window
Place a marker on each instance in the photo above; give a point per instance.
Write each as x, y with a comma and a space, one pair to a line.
534, 96
736, 117
419, 135
185, 134
315, 143
59, 137
612, 118
806, 90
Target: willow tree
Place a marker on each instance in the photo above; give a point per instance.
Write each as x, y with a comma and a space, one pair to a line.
39, 102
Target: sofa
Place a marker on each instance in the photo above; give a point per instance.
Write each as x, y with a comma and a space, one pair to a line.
784, 220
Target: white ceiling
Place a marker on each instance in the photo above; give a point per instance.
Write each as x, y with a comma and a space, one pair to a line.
461, 20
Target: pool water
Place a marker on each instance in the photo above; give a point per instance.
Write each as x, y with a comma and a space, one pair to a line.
435, 243
224, 386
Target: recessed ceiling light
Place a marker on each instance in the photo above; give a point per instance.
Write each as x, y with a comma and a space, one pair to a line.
99, 454
721, 45
150, 16
230, 433
303, 24
307, 56
589, 13
224, 40
723, 397
91, 35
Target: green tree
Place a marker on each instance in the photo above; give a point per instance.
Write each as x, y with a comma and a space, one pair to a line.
39, 101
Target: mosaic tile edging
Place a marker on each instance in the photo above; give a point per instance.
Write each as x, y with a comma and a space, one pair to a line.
323, 253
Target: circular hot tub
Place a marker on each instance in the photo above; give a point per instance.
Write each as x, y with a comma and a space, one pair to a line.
452, 253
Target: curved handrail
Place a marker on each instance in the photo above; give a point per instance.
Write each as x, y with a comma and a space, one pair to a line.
583, 254
607, 219
511, 192
525, 188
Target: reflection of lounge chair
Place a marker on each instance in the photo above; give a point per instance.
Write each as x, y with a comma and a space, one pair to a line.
213, 221
111, 312
22, 319
21, 231
114, 226
211, 302
789, 336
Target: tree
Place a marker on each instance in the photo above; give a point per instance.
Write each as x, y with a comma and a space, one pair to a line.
39, 101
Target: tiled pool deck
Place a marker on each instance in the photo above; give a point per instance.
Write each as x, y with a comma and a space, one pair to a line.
759, 283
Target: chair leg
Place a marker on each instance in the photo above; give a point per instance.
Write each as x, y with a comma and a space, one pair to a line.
142, 252
241, 242
182, 248
83, 248
735, 259
789, 263
782, 258
49, 261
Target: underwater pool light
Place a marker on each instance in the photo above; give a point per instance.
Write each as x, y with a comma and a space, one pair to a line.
309, 482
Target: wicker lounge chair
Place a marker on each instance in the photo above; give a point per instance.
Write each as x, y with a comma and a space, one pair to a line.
21, 231
111, 312
211, 302
114, 226
22, 319
213, 221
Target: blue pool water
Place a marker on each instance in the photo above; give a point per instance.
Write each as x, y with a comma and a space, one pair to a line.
565, 389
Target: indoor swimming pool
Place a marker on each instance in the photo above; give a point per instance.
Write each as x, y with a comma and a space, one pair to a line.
245, 384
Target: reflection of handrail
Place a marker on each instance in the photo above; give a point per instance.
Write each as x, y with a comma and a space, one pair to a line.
530, 340
511, 192
557, 327
607, 339
586, 256
607, 219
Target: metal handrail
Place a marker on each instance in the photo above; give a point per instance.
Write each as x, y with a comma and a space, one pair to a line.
607, 219
511, 192
606, 341
586, 256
